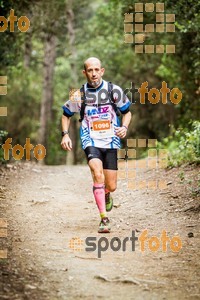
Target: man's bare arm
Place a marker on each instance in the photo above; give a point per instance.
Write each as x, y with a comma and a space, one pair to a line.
126, 119
66, 142
121, 131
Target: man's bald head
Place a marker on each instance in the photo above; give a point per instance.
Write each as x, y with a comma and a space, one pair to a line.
93, 71
92, 60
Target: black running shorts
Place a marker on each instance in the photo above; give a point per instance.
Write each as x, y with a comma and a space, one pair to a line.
107, 156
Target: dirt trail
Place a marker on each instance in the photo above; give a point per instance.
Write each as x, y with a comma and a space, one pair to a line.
49, 206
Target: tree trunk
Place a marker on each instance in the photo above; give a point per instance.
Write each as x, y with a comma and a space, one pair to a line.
73, 131
27, 50
47, 94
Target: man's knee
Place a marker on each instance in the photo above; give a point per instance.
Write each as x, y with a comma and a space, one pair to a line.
111, 187
96, 169
98, 175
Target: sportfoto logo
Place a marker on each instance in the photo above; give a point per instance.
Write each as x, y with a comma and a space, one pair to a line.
3, 234
116, 244
153, 95
39, 150
129, 166
136, 32
3, 92
23, 23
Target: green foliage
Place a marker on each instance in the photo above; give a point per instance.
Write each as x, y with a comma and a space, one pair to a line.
3, 135
181, 176
184, 146
11, 42
23, 102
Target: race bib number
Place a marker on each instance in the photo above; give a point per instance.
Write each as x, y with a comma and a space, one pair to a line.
101, 129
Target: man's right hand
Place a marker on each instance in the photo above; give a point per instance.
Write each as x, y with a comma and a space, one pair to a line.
66, 143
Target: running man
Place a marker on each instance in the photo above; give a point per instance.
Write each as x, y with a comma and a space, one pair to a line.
100, 133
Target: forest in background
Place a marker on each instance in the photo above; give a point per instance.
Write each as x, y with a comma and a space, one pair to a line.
45, 63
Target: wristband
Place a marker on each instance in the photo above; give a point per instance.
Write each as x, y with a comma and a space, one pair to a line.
65, 132
125, 127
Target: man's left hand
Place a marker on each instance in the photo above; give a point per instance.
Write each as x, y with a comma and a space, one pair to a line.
121, 132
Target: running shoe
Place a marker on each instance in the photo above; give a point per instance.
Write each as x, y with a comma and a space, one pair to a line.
104, 226
109, 202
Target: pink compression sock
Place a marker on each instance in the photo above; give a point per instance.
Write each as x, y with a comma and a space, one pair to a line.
99, 195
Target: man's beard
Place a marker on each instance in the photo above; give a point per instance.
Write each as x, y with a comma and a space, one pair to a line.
95, 83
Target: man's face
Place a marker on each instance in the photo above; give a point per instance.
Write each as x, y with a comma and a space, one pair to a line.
94, 73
